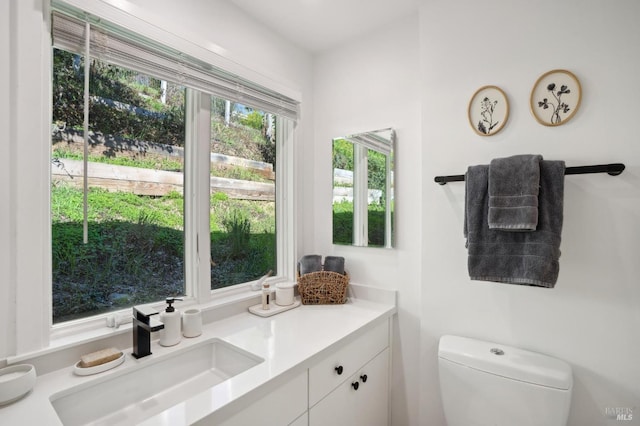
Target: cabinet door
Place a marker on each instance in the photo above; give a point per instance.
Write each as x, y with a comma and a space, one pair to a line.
366, 406
373, 401
324, 376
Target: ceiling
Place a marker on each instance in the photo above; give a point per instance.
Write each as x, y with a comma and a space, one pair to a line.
317, 25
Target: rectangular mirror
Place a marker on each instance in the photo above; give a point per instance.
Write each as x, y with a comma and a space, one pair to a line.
363, 206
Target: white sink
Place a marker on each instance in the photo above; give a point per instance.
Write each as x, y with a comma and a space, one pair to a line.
152, 386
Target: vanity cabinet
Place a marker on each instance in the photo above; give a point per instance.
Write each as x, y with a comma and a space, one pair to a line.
362, 399
347, 386
350, 386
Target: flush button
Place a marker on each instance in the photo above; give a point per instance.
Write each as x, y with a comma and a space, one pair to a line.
497, 351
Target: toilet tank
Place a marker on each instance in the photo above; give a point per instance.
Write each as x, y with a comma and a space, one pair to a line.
484, 383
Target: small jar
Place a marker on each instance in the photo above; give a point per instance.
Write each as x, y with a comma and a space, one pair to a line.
192, 323
284, 294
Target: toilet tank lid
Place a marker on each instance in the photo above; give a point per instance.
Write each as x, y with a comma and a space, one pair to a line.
506, 361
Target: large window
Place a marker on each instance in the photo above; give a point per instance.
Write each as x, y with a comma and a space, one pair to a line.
243, 202
129, 249
160, 189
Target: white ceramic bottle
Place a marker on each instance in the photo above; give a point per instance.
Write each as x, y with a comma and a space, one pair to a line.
266, 293
170, 334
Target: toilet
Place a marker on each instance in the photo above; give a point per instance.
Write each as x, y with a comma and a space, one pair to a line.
484, 383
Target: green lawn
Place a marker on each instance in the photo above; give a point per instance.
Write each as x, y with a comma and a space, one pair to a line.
136, 248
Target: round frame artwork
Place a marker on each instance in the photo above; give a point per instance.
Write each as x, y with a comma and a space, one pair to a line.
555, 98
488, 110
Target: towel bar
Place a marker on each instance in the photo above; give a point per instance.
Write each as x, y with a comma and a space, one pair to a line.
613, 169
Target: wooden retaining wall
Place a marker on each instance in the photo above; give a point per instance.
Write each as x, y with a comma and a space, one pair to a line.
117, 144
152, 182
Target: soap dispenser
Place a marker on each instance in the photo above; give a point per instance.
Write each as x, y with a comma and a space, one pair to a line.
170, 334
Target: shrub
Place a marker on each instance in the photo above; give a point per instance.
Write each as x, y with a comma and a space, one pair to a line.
342, 154
343, 223
112, 82
238, 229
253, 119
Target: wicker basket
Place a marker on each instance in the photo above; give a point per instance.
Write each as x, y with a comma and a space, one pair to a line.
323, 288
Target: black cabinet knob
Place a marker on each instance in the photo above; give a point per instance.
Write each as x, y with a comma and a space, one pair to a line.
363, 378
339, 370
355, 385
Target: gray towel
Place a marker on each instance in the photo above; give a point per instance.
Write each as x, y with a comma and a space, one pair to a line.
309, 263
334, 264
529, 258
513, 193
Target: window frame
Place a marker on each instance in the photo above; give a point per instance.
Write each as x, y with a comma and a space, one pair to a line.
34, 331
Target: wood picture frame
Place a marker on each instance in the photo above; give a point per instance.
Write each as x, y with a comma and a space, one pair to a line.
555, 97
488, 110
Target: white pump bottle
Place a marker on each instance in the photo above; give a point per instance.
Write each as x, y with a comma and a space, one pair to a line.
170, 335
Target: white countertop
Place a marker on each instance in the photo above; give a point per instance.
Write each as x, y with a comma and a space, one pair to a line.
285, 341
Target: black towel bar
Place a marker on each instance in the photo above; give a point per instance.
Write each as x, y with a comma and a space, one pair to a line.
613, 169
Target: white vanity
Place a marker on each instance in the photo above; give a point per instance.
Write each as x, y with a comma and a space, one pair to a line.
313, 365
347, 385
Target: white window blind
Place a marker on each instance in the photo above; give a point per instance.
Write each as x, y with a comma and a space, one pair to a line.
118, 46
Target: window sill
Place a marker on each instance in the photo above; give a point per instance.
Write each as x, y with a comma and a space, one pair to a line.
75, 336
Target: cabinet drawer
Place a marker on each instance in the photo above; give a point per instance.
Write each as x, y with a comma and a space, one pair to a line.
324, 376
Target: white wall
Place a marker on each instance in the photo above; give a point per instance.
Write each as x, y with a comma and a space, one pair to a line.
591, 318
226, 30
25, 167
215, 25
6, 292
368, 84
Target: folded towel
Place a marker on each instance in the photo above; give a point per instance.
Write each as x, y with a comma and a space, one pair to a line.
309, 263
334, 264
529, 258
513, 193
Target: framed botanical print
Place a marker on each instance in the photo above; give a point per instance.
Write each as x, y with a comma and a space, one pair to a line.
488, 110
555, 97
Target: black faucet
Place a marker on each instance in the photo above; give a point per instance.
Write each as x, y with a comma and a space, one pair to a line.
142, 328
